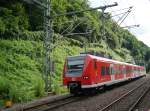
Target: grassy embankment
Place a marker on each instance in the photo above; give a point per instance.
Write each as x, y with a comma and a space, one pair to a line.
21, 66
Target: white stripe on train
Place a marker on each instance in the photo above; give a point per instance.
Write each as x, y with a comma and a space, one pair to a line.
108, 83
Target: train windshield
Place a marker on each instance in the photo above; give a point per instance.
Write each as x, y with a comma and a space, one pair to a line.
75, 66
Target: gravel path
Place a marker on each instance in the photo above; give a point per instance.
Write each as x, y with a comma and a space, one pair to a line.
91, 103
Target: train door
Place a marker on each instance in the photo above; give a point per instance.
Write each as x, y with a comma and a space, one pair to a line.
96, 75
124, 72
112, 72
132, 72
103, 72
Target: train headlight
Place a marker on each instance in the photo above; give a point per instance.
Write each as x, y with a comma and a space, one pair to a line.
86, 77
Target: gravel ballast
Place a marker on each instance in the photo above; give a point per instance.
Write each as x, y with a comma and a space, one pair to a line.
99, 101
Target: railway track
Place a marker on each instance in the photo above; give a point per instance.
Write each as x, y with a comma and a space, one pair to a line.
54, 104
142, 89
139, 100
128, 101
39, 105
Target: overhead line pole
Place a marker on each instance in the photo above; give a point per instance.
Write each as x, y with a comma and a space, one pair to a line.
37, 3
47, 44
45, 5
41, 4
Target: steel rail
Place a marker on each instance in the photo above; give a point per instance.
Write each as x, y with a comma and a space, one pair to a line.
46, 104
120, 98
62, 103
37, 103
139, 100
55, 104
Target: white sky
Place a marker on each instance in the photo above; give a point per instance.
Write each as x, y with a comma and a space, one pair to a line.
140, 15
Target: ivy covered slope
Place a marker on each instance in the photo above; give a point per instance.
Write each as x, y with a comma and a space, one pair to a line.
20, 70
21, 44
21, 64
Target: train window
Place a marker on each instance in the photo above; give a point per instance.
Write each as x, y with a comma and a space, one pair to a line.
127, 70
75, 67
115, 70
124, 70
118, 70
107, 70
112, 70
130, 70
102, 70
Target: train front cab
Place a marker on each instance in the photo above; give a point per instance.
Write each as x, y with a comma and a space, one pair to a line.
76, 73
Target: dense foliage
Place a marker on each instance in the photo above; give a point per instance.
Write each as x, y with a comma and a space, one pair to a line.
21, 48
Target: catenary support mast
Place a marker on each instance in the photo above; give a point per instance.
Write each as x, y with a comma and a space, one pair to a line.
47, 44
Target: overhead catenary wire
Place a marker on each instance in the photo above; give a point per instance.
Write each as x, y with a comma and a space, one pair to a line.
77, 33
81, 21
76, 12
81, 11
131, 26
119, 14
125, 16
120, 9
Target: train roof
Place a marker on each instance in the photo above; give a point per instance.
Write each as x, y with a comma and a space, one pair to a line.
103, 59
111, 60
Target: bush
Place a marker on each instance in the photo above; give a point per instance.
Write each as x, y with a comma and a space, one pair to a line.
20, 76
4, 87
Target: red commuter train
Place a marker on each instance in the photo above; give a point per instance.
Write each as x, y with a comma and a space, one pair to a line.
85, 72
